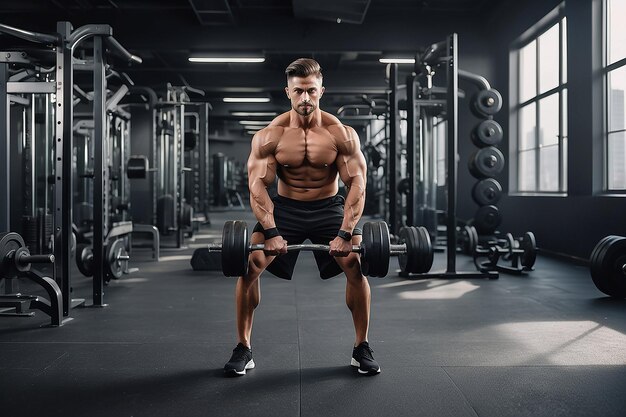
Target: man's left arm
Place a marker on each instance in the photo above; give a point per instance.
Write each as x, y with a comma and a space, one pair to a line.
353, 172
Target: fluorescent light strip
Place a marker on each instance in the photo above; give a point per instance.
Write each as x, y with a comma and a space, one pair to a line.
219, 60
253, 113
251, 132
397, 60
246, 99
254, 122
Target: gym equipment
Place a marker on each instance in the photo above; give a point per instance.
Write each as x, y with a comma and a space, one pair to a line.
203, 260
15, 261
191, 140
486, 103
608, 266
375, 249
468, 240
487, 192
115, 260
486, 162
521, 253
166, 209
487, 219
137, 167
487, 133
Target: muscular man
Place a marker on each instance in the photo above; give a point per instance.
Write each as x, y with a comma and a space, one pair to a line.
307, 149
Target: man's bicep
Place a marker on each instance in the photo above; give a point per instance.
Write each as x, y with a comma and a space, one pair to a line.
260, 167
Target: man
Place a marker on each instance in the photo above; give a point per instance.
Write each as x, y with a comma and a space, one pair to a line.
307, 149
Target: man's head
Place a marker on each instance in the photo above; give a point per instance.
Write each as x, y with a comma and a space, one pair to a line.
304, 85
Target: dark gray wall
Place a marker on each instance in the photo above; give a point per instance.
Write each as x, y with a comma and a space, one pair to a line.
573, 224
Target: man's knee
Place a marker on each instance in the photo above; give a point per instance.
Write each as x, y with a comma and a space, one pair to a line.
351, 265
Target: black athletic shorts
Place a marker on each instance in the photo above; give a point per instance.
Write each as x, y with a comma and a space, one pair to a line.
317, 220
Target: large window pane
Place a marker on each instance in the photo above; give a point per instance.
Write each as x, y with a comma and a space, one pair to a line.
549, 168
549, 59
528, 72
549, 120
527, 171
564, 136
617, 161
616, 86
616, 48
527, 123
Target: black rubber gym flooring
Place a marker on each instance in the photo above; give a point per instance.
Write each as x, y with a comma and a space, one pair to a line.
548, 344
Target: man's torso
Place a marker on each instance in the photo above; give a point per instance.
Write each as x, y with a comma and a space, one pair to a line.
306, 158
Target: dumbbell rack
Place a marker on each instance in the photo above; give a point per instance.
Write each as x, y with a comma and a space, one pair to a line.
432, 58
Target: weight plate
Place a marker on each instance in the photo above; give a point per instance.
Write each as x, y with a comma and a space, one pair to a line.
529, 246
137, 167
487, 219
375, 249
608, 268
486, 162
9, 242
487, 133
409, 260
509, 245
487, 192
113, 265
235, 248
426, 249
486, 103
84, 259
596, 268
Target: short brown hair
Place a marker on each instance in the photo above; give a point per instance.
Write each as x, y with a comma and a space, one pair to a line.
303, 67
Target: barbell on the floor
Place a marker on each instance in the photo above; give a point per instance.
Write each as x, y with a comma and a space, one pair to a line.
608, 266
115, 259
414, 249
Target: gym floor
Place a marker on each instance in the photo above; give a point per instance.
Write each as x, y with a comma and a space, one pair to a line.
545, 344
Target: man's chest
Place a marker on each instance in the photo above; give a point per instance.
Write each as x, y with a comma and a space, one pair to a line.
298, 147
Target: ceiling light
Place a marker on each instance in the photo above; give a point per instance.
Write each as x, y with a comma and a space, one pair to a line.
254, 122
251, 132
225, 59
246, 99
397, 60
253, 113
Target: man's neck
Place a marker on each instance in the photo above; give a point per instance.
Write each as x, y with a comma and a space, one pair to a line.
305, 122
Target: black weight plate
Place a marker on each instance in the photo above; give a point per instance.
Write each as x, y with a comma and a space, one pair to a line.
487, 219
385, 249
375, 245
510, 246
137, 167
487, 192
426, 249
486, 162
9, 242
191, 139
487, 133
614, 265
486, 103
409, 261
235, 248
596, 267
367, 249
529, 246
84, 259
608, 259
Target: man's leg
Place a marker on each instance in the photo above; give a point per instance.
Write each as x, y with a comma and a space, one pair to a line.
247, 298
358, 299
248, 290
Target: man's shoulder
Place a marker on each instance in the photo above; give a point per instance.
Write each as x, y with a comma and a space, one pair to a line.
336, 128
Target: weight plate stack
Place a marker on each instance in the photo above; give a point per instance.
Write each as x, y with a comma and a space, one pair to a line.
608, 266
375, 249
235, 248
529, 245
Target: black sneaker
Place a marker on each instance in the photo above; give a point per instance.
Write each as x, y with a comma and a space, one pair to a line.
239, 361
363, 359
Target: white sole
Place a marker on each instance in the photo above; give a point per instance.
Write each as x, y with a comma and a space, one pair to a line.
355, 363
249, 365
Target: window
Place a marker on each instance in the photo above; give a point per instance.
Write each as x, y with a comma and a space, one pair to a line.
615, 82
540, 85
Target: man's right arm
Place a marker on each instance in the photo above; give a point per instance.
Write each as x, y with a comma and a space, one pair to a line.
261, 173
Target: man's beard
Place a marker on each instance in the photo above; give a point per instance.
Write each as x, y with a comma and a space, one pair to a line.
303, 110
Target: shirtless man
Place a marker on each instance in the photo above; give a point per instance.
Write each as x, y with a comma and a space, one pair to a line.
308, 149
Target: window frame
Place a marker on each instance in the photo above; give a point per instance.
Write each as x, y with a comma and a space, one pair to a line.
606, 70
557, 18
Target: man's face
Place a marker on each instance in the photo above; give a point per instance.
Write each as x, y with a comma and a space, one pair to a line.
304, 93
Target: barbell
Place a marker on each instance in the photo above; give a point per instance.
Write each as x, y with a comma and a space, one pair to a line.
414, 249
